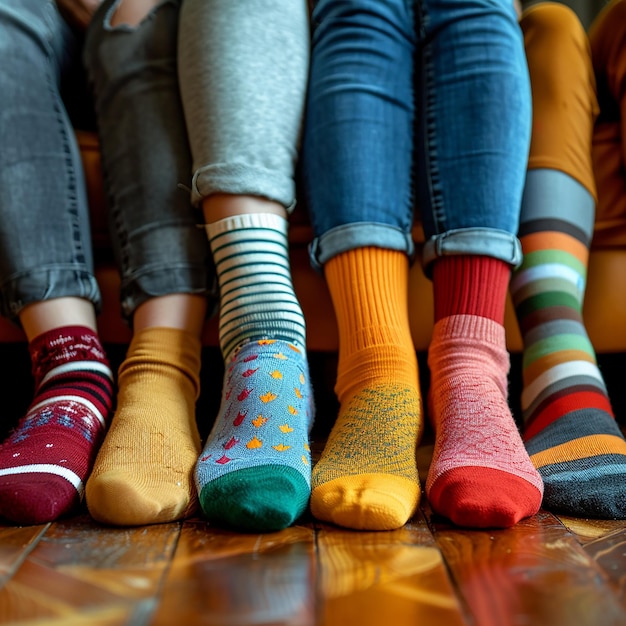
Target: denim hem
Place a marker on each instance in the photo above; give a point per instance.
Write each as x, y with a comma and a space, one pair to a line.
359, 235
47, 284
498, 244
165, 281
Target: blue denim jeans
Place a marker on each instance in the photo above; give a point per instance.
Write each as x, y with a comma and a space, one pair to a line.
45, 245
416, 103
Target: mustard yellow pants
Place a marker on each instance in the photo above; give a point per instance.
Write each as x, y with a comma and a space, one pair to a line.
579, 105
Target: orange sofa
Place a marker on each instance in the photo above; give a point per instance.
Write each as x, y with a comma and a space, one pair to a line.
604, 311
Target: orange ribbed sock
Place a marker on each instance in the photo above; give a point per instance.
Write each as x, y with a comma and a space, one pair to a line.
367, 476
480, 474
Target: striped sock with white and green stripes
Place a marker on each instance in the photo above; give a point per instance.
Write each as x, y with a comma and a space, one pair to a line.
254, 471
569, 428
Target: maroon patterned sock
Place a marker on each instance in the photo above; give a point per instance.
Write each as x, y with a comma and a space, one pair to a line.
46, 459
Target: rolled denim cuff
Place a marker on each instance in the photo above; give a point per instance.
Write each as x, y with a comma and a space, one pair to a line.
498, 244
359, 235
156, 281
47, 283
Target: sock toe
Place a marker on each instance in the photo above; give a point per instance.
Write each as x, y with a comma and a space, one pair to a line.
116, 498
42, 500
489, 498
279, 498
599, 497
366, 501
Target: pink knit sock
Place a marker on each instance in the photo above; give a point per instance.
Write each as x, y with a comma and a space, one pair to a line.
45, 461
480, 475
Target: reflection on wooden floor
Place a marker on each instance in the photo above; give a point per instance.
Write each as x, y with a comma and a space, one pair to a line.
546, 571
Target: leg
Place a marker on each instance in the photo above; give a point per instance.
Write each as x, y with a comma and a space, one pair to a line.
569, 427
359, 196
243, 106
606, 36
144, 471
472, 148
46, 273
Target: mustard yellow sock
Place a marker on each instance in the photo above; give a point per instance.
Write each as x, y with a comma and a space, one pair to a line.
367, 475
144, 470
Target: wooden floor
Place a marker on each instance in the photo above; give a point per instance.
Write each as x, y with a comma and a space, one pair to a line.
546, 571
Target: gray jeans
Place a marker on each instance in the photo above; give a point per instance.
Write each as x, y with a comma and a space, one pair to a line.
45, 245
243, 70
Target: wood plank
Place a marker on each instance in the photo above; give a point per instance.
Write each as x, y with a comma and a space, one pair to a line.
111, 617
534, 573
80, 569
372, 578
16, 542
609, 553
541, 572
39, 594
129, 562
591, 529
223, 578
604, 541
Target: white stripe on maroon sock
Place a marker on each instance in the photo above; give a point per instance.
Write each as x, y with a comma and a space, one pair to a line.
46, 468
75, 366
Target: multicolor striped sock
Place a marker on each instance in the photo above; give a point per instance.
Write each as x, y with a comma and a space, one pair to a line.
47, 458
254, 473
569, 428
